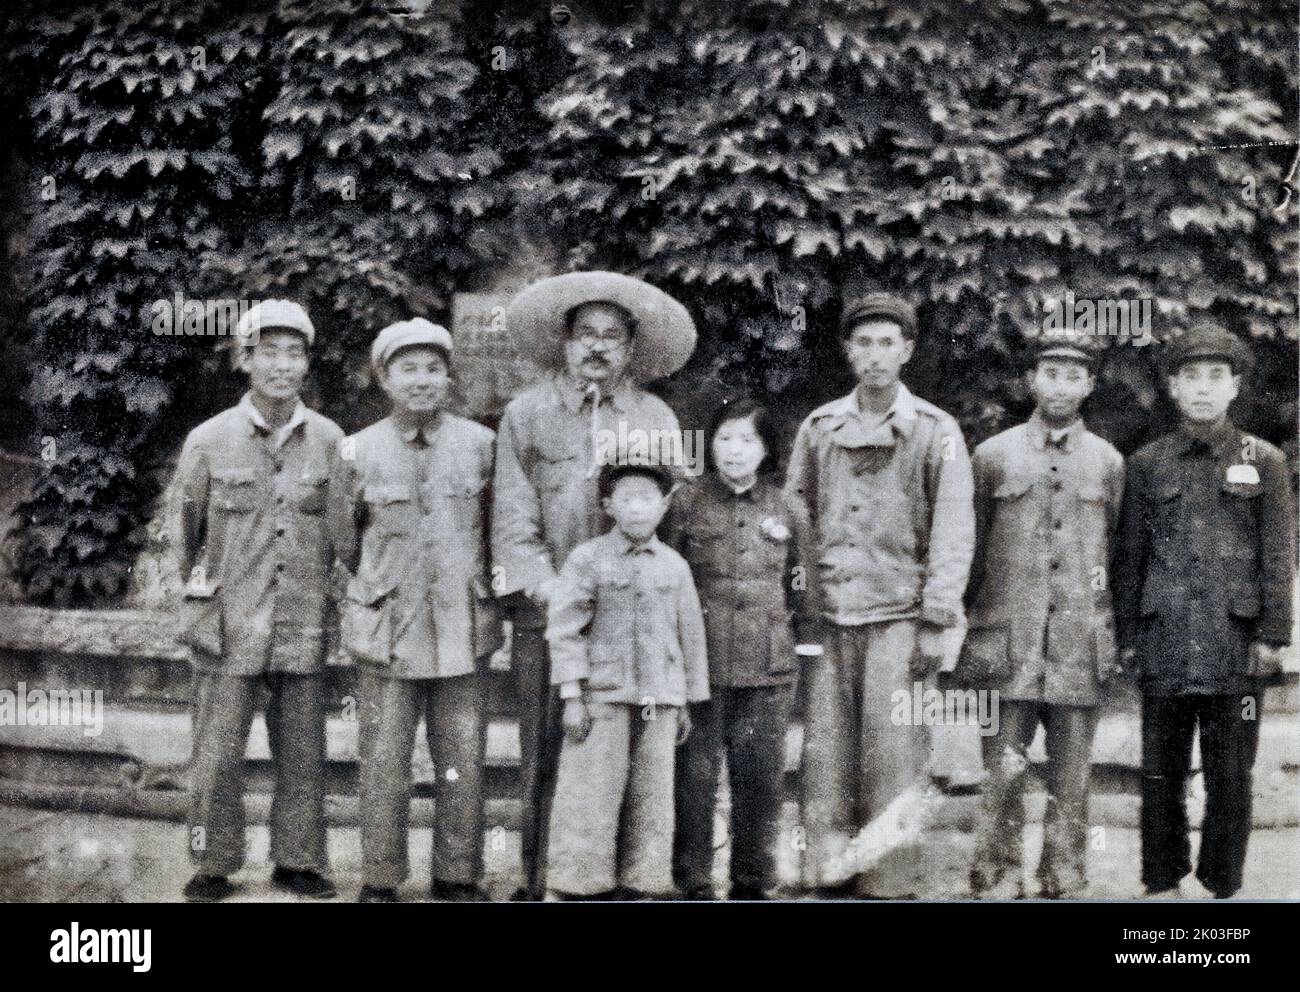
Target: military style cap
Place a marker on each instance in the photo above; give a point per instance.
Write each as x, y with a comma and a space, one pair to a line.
1207, 342
404, 334
610, 474
1051, 348
879, 305
275, 315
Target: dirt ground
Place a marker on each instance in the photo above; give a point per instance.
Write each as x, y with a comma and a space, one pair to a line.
73, 857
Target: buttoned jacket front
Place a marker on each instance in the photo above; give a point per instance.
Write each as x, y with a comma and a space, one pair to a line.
889, 508
545, 501
412, 515
255, 547
1040, 621
626, 622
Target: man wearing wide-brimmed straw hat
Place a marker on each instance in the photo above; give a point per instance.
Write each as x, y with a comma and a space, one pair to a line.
602, 335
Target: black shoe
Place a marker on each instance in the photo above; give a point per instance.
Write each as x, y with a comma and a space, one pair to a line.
624, 894
613, 895
522, 894
699, 893
376, 893
208, 888
746, 893
845, 890
306, 883
457, 892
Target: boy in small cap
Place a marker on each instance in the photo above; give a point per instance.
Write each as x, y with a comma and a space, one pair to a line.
626, 637
1203, 597
1041, 633
418, 616
256, 553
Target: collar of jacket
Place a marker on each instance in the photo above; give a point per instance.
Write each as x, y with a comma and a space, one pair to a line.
848, 429
1222, 440
1039, 432
256, 422
627, 547
573, 394
408, 432
722, 491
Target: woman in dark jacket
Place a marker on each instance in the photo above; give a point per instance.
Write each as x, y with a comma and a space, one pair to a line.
741, 541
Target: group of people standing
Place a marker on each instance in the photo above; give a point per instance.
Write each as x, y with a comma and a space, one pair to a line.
662, 621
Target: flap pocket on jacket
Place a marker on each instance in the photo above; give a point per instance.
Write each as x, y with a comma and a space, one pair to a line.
1244, 490
234, 490
312, 490
383, 495
985, 656
201, 623
1091, 492
555, 470
606, 668
368, 593
366, 623
1012, 487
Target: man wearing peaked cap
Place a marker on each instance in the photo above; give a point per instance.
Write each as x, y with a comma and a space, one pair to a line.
600, 335
419, 618
256, 551
409, 334
1041, 632
1203, 587
1208, 343
275, 315
881, 480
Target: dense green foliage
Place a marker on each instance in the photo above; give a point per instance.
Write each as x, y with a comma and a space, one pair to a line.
762, 161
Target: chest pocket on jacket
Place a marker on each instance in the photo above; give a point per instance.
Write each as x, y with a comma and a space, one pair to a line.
1092, 504
463, 499
391, 508
1240, 539
312, 489
710, 547
1013, 515
1012, 488
1164, 507
555, 467
234, 490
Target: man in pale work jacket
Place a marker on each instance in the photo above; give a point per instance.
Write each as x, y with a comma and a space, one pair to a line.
1041, 633
601, 335
256, 552
884, 480
418, 618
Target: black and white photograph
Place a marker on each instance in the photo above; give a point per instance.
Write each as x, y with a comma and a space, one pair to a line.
837, 454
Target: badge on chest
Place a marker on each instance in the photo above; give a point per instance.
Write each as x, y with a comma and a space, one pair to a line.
1242, 475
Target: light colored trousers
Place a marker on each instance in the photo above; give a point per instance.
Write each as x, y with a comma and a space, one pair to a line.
390, 711
612, 818
856, 759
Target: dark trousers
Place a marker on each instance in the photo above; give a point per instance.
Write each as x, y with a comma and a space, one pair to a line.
749, 724
223, 711
999, 847
453, 711
1228, 744
540, 737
